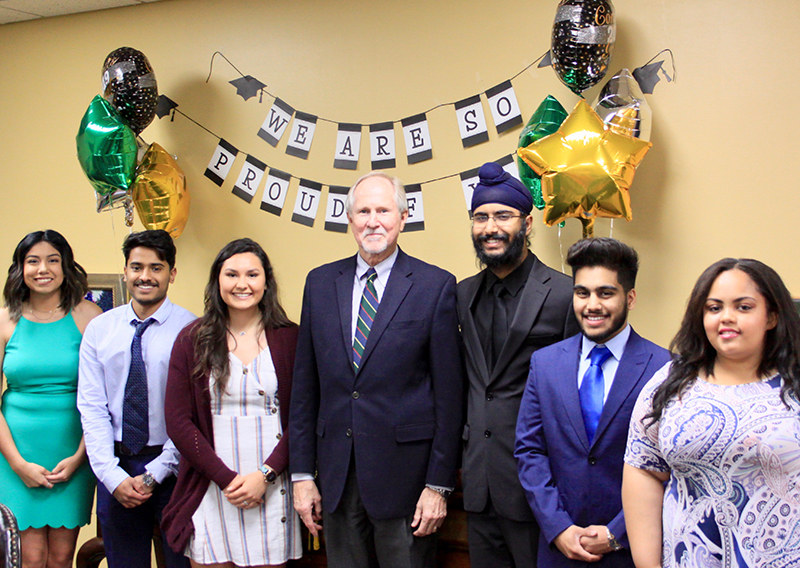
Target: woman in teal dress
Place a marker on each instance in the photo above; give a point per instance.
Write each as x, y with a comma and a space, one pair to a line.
45, 478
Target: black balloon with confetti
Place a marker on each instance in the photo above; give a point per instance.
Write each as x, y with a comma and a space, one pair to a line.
129, 84
583, 37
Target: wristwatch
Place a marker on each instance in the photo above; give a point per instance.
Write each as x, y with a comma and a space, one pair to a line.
269, 474
440, 490
148, 480
613, 542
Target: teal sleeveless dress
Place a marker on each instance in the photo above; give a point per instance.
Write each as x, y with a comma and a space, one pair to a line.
40, 407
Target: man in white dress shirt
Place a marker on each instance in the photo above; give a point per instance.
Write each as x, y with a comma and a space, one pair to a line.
123, 374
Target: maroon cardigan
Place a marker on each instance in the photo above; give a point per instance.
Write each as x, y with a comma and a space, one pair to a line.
189, 426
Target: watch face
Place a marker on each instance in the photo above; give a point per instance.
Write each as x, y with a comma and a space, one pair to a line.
148, 479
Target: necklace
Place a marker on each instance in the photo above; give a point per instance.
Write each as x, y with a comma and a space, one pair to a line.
245, 330
48, 318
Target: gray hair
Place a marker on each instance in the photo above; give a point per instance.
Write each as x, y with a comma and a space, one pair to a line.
399, 191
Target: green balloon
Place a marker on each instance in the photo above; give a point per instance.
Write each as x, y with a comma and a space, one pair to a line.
106, 148
544, 122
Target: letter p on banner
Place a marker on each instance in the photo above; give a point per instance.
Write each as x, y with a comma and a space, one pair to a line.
220, 165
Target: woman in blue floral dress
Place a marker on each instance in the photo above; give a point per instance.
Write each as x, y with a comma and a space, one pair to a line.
721, 426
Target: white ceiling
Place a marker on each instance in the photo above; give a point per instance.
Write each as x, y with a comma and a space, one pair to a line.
20, 10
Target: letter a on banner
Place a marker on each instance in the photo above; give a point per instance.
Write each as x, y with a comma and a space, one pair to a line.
276, 122
249, 178
504, 106
469, 180
348, 145
381, 145
471, 121
275, 191
220, 165
307, 203
416, 214
302, 134
417, 138
335, 215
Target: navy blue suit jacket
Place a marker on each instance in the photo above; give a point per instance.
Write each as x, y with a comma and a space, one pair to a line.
567, 480
400, 414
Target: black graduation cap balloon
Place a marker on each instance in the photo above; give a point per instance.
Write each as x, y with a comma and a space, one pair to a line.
129, 84
247, 87
647, 76
583, 37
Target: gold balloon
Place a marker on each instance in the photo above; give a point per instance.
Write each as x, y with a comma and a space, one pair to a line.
586, 169
159, 192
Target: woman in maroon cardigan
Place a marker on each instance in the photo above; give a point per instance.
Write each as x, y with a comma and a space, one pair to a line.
227, 406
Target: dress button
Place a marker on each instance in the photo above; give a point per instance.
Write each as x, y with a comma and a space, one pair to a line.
261, 393
279, 435
487, 433
489, 396
283, 519
349, 433
283, 491
355, 394
592, 460
274, 410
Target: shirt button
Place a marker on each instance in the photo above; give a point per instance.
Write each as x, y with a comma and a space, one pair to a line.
279, 435
283, 491
283, 519
592, 460
355, 394
261, 393
274, 410
487, 433
349, 433
489, 396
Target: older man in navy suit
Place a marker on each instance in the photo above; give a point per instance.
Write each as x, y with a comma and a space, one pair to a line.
376, 399
573, 421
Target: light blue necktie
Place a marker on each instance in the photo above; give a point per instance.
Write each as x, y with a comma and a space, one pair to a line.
135, 406
593, 389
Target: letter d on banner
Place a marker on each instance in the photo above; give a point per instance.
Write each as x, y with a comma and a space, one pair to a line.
335, 215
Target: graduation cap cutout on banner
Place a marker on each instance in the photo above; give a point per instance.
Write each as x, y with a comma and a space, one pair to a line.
648, 76
546, 61
164, 105
248, 86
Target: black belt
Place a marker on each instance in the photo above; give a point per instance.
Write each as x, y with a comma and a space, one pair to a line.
121, 450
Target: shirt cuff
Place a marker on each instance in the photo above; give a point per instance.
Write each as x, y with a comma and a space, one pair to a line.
302, 477
114, 478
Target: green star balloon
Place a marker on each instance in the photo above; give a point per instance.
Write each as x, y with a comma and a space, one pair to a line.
106, 148
544, 121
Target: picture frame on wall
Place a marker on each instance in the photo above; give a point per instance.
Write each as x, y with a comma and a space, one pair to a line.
107, 290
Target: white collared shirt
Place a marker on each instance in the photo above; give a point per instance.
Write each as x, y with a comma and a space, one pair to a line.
383, 270
105, 360
617, 347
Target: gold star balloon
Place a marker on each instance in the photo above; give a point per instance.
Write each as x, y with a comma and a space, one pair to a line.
586, 169
159, 192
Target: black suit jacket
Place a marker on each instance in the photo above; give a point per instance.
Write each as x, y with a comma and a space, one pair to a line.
400, 414
544, 316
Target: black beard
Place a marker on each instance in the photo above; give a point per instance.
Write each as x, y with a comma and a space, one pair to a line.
617, 323
509, 258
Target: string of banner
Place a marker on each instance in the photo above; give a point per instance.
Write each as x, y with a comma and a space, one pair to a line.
301, 126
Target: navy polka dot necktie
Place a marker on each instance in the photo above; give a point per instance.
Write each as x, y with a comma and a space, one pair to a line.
135, 406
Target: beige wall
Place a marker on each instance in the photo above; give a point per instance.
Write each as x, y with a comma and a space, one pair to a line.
721, 179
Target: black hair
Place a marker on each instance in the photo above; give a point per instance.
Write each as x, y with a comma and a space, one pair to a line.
157, 240
607, 253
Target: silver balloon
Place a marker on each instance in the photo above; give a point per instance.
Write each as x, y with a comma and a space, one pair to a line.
622, 107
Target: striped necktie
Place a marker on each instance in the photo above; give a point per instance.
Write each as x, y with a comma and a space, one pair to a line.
366, 314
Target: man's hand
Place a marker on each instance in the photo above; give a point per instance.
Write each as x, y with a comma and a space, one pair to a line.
430, 513
246, 491
308, 504
597, 544
127, 494
569, 543
138, 484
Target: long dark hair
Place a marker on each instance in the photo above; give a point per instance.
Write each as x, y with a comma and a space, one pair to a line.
211, 339
693, 353
73, 289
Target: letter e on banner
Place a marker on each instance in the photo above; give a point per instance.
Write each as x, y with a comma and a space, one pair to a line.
302, 134
335, 215
471, 121
275, 191
220, 165
417, 138
307, 202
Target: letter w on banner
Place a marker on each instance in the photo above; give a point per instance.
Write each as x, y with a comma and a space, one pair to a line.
307, 203
335, 215
416, 214
302, 134
381, 145
276, 122
249, 178
220, 165
504, 106
275, 191
418, 139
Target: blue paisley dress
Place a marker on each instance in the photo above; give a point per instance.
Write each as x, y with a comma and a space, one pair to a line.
733, 454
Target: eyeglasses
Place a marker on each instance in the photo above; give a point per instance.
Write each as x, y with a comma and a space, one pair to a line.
501, 218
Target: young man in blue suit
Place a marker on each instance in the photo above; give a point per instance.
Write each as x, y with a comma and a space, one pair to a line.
573, 420
376, 398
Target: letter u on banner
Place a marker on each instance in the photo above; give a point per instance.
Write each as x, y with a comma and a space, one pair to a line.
504, 106
335, 215
307, 202
275, 191
220, 165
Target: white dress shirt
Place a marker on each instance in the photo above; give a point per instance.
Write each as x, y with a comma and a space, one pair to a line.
617, 347
383, 270
105, 360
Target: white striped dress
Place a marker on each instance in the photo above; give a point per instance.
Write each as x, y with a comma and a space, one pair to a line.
247, 426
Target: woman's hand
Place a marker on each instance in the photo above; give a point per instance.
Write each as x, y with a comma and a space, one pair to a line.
246, 491
33, 475
65, 468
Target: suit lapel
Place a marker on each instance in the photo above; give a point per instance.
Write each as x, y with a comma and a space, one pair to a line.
568, 386
396, 290
533, 296
344, 295
470, 333
630, 370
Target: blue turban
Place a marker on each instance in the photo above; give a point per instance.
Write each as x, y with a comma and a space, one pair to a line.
498, 186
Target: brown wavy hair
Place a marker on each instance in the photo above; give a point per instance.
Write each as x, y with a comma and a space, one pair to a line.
211, 337
73, 288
